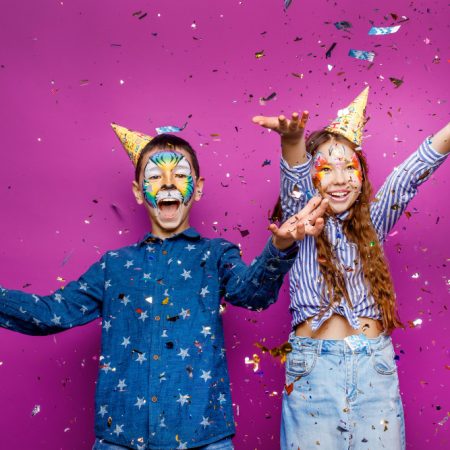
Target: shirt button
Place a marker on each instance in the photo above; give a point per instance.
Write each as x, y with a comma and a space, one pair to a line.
154, 399
157, 318
155, 357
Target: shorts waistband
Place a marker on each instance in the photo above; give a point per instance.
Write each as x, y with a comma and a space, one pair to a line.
353, 344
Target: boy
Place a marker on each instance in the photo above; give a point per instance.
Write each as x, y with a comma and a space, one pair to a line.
163, 381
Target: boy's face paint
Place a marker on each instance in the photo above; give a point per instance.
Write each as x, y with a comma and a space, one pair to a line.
167, 188
167, 177
337, 173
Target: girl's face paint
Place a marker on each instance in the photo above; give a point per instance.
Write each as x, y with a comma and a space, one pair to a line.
337, 173
168, 175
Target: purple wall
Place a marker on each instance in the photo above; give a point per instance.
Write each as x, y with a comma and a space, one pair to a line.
69, 68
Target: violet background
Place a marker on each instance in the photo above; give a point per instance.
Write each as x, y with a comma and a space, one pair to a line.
61, 169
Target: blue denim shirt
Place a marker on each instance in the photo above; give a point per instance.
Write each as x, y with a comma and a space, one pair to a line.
163, 380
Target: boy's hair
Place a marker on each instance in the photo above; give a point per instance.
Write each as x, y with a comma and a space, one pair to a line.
164, 142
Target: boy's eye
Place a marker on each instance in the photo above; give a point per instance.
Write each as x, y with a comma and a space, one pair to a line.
180, 175
325, 169
351, 167
154, 177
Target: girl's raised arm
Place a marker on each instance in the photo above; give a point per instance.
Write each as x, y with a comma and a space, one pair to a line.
292, 135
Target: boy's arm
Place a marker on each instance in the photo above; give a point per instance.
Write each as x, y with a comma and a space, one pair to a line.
256, 286
76, 304
401, 185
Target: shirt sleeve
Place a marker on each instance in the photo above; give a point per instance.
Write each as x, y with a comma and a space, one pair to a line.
401, 186
76, 304
256, 286
296, 186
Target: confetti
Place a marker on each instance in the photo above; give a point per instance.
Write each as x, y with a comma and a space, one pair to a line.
170, 129
260, 54
396, 82
287, 3
415, 323
276, 352
362, 54
343, 25
36, 410
255, 360
266, 162
380, 31
263, 100
328, 53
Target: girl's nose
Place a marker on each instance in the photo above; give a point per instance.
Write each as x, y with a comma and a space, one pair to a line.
340, 177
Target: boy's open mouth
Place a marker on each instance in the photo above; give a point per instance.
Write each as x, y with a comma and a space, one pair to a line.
168, 208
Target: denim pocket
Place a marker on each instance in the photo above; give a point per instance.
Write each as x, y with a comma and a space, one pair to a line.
300, 363
383, 361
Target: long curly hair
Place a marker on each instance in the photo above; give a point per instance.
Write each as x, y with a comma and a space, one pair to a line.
358, 229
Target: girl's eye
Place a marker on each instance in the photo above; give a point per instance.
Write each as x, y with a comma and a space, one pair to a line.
325, 169
351, 167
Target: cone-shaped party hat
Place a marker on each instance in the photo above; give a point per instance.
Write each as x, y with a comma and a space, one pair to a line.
133, 141
351, 120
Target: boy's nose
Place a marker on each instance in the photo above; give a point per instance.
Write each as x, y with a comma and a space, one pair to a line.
167, 179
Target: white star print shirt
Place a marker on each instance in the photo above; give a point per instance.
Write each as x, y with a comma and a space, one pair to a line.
163, 378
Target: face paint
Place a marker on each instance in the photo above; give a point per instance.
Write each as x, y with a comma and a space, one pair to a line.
321, 167
337, 174
168, 175
356, 167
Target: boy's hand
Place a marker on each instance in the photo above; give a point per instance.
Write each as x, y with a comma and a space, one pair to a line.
307, 221
291, 131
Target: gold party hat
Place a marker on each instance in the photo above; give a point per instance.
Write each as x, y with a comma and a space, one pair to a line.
133, 141
351, 120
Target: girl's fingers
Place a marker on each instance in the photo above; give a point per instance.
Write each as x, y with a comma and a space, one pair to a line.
293, 124
273, 229
304, 119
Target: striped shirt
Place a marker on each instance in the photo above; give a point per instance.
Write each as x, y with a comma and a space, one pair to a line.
306, 282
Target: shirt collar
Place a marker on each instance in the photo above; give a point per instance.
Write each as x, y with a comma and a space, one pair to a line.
342, 216
190, 233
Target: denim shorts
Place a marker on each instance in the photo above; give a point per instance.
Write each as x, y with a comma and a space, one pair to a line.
342, 394
223, 444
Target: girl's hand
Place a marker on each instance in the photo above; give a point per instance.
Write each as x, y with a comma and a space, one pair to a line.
308, 221
292, 134
291, 131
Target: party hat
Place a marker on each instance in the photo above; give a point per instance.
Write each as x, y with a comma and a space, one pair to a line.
351, 120
133, 141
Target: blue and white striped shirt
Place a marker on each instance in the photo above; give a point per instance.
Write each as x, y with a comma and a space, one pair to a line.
306, 283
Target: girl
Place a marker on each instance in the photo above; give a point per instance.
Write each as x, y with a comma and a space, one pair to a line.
341, 379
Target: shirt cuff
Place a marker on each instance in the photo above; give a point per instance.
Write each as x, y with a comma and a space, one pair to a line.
286, 254
428, 154
296, 172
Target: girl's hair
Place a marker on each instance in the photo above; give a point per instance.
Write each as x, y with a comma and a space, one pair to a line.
358, 229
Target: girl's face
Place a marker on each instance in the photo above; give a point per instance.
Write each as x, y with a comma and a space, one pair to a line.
337, 173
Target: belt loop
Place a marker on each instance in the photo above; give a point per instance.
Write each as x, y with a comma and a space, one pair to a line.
319, 346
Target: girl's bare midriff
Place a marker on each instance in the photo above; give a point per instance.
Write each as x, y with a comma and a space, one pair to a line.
338, 327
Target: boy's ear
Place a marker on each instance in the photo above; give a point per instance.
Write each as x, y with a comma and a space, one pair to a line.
199, 189
138, 195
